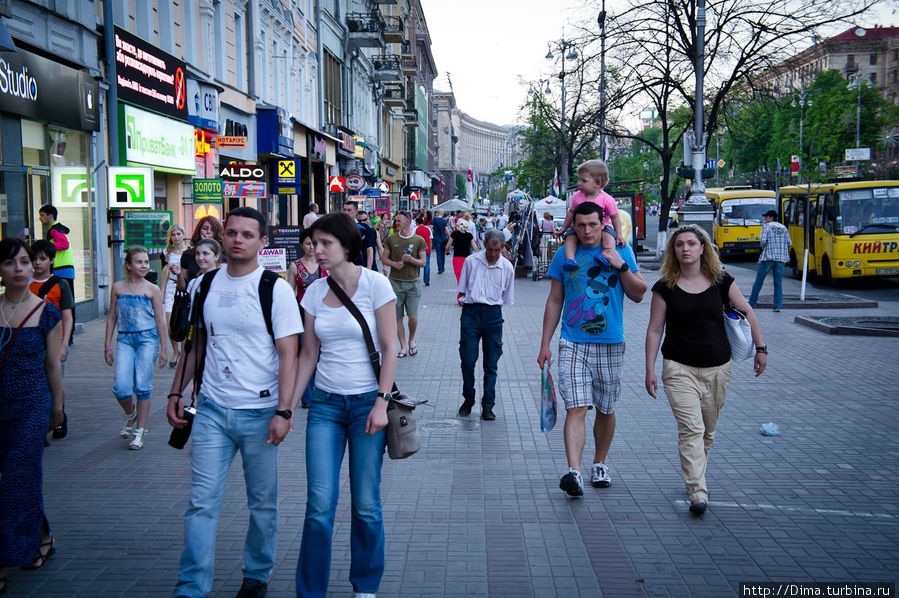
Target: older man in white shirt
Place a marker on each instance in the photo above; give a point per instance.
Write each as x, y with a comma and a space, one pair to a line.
485, 284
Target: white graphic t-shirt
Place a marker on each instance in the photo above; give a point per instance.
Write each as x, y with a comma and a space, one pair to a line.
241, 370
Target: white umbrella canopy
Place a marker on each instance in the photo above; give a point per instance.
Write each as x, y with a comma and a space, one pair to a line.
452, 205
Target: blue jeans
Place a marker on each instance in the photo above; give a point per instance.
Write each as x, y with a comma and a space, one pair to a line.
440, 247
218, 433
307, 392
427, 275
333, 422
480, 323
135, 360
761, 273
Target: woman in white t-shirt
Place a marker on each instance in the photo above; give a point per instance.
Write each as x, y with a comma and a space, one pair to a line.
175, 244
348, 407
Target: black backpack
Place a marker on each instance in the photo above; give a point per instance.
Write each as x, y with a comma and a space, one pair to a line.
266, 298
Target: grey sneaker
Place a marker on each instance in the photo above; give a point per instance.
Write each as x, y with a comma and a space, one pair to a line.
572, 483
599, 476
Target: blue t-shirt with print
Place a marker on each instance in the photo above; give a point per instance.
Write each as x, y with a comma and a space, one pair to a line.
593, 310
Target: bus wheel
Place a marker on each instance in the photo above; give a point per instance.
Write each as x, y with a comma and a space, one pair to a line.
826, 272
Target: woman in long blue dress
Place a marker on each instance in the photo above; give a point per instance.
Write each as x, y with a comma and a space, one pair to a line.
30, 374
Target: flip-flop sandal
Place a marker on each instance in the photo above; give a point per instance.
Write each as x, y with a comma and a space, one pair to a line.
413, 350
42, 556
400, 354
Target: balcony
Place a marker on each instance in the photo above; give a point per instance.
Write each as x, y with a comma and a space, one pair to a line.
393, 30
387, 68
365, 30
409, 65
394, 97
851, 67
410, 117
406, 49
385, 1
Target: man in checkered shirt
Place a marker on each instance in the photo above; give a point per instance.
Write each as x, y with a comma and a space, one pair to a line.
776, 243
590, 303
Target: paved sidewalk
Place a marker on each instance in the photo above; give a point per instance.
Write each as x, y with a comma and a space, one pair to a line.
478, 511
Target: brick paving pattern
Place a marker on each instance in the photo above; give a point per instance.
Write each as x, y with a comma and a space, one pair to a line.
478, 511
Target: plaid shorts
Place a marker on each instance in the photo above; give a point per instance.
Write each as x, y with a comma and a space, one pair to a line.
590, 374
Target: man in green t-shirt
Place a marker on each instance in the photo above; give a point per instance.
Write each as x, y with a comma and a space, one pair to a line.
404, 252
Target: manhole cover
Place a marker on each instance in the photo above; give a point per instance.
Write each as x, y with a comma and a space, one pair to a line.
862, 325
442, 425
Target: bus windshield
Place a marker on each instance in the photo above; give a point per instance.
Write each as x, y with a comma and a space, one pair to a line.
745, 211
867, 211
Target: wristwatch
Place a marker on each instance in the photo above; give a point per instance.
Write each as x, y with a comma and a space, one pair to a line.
762, 349
624, 267
385, 395
285, 413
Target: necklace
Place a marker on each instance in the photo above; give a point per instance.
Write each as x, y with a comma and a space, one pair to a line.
13, 310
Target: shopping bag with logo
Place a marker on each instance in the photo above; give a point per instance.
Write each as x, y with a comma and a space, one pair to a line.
548, 411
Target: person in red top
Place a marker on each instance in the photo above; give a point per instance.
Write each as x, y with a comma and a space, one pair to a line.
425, 233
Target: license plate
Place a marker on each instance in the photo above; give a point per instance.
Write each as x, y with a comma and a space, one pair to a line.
887, 270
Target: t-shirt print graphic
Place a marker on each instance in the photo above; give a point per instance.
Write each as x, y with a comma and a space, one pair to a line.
593, 282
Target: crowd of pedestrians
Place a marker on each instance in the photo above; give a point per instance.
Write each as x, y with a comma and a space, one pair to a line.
261, 347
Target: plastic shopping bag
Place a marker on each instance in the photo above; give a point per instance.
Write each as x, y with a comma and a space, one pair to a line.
547, 400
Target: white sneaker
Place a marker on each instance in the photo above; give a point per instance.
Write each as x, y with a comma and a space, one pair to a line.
137, 442
363, 595
128, 428
599, 476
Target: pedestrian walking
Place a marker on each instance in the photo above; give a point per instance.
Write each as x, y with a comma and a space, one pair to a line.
207, 227
208, 253
486, 284
135, 311
687, 307
423, 231
347, 411
775, 241
462, 244
31, 400
55, 290
441, 236
175, 246
310, 216
590, 302
404, 252
64, 262
246, 338
369, 238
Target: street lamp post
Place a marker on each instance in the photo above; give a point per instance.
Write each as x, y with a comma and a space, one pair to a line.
857, 81
601, 19
562, 46
802, 99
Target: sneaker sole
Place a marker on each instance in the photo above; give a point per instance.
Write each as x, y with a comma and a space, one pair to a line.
601, 484
571, 488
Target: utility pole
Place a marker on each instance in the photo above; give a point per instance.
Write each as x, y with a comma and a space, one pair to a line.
602, 81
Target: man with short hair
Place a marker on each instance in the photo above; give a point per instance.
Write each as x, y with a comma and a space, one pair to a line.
441, 236
366, 257
243, 405
486, 283
590, 303
404, 253
502, 220
775, 241
64, 262
311, 217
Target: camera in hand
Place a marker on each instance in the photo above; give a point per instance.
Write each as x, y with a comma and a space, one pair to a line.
180, 436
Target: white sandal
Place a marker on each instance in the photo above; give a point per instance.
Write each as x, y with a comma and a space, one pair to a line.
128, 428
137, 442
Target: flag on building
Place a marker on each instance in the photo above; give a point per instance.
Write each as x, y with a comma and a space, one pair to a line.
555, 191
469, 185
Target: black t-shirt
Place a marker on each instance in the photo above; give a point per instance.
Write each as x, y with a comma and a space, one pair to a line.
368, 240
461, 243
694, 328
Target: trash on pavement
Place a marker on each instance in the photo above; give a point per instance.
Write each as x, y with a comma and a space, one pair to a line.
770, 429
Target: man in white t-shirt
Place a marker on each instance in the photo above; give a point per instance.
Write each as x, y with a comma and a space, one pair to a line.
243, 405
502, 220
311, 217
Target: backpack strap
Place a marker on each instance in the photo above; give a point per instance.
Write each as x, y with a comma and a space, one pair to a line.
267, 298
48, 284
197, 322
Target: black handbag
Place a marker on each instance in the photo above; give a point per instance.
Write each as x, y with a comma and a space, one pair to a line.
179, 322
403, 438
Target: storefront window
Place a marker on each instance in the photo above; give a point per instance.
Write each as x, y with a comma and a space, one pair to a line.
71, 193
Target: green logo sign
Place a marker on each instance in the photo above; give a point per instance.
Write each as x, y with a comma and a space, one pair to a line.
208, 191
130, 188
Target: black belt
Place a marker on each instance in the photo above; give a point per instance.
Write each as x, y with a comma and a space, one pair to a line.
482, 304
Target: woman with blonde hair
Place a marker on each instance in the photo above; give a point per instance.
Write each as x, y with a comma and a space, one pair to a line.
175, 245
688, 305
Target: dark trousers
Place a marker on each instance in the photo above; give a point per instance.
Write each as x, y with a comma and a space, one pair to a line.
441, 254
480, 324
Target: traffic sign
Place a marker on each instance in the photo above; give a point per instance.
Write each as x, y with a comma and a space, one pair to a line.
721, 163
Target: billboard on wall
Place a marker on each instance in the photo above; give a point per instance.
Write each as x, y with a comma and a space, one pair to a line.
153, 140
149, 77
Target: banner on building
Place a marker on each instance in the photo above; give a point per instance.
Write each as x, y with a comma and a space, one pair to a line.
147, 139
208, 191
149, 77
243, 189
130, 188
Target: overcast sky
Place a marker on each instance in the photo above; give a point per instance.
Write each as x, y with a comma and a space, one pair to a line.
489, 46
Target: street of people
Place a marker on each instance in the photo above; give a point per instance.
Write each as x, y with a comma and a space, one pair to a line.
479, 509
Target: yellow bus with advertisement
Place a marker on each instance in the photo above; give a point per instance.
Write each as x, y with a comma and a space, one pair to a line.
739, 216
851, 229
